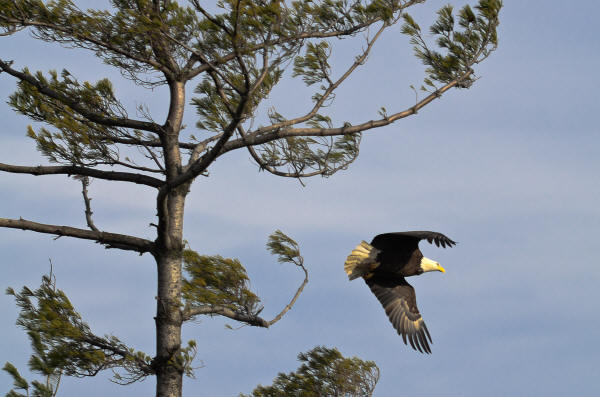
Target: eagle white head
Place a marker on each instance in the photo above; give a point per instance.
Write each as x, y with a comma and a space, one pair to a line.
428, 265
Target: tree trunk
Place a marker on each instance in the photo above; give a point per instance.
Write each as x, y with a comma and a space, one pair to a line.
169, 370
169, 250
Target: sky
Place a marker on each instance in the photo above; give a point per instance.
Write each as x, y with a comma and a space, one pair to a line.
508, 169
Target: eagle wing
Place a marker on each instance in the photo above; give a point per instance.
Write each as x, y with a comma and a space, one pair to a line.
381, 241
400, 303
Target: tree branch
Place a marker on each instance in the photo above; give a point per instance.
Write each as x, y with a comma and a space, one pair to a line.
85, 182
264, 166
92, 116
294, 299
110, 240
100, 343
226, 312
203, 162
150, 143
255, 138
62, 30
250, 319
198, 166
332, 87
283, 40
83, 171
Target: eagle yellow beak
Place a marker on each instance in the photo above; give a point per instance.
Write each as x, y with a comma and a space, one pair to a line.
428, 265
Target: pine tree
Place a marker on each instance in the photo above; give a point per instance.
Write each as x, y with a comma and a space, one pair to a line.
324, 372
234, 54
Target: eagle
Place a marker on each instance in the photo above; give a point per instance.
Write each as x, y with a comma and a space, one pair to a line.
384, 265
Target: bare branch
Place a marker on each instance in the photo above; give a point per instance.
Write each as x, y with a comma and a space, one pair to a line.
83, 171
150, 143
294, 299
131, 165
211, 18
226, 312
110, 240
154, 158
201, 146
85, 182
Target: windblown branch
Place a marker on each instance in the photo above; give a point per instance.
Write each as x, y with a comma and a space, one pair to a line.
200, 147
294, 299
287, 251
332, 87
316, 34
264, 166
83, 171
92, 116
250, 319
122, 355
64, 344
199, 165
256, 138
110, 240
85, 38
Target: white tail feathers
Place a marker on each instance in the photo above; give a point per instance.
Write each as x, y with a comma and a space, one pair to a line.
361, 261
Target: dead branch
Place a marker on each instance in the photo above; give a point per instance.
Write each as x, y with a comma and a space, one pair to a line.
83, 171
110, 240
85, 182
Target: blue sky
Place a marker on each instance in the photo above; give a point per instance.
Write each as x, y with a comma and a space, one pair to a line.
509, 169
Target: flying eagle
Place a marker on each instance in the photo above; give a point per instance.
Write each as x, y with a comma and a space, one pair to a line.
384, 264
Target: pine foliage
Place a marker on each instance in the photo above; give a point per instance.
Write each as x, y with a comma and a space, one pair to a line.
64, 344
243, 50
324, 372
217, 281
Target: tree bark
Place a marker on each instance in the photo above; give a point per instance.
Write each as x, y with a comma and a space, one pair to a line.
169, 251
169, 369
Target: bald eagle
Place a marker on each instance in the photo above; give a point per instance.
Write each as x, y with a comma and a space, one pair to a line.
384, 264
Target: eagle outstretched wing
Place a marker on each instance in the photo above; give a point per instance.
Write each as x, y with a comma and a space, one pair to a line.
400, 303
390, 240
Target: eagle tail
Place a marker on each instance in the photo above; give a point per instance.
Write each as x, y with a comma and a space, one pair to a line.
361, 261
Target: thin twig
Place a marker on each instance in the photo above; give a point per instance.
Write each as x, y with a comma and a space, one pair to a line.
85, 182
298, 292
